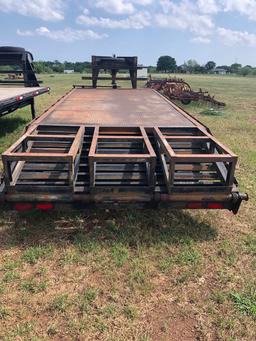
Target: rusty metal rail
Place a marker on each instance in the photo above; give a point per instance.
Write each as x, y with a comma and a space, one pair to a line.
45, 157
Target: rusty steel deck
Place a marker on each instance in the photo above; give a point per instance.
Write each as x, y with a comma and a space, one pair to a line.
99, 146
121, 107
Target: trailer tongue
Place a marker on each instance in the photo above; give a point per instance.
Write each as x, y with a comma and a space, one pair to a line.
115, 147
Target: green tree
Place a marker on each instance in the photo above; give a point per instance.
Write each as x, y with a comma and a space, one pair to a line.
39, 67
166, 64
234, 68
191, 66
210, 65
245, 71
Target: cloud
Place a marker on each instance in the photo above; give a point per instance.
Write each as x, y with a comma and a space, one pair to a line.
44, 9
136, 21
244, 7
66, 35
184, 16
208, 6
200, 40
230, 37
119, 6
115, 6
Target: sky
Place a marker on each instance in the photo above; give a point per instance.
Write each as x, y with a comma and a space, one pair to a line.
220, 30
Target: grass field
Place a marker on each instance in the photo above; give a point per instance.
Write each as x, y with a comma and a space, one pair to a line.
119, 275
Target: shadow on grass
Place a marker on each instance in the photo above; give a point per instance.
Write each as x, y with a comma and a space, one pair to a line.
9, 124
103, 227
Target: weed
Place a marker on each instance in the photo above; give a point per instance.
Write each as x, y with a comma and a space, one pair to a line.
2, 288
60, 303
4, 312
109, 310
70, 257
187, 256
34, 253
99, 325
32, 286
84, 243
11, 276
227, 251
10, 265
130, 312
219, 297
166, 263
120, 254
245, 302
250, 244
87, 298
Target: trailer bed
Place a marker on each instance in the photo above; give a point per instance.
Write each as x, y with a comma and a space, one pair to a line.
123, 107
99, 146
13, 98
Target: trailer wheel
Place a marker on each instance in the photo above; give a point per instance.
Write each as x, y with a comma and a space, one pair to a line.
186, 101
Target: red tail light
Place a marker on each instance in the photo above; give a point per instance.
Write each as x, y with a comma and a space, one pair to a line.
44, 206
215, 205
194, 205
19, 98
22, 207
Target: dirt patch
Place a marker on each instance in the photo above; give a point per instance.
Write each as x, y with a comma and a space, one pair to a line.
168, 324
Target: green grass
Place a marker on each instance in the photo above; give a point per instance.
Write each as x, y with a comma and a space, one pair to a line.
245, 302
34, 253
123, 274
32, 286
60, 303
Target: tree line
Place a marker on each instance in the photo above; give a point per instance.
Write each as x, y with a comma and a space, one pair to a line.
58, 67
164, 64
168, 64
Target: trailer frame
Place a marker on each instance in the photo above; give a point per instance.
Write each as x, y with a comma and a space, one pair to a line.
72, 158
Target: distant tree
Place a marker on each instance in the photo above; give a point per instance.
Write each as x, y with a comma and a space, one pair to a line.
191, 66
181, 68
234, 68
151, 69
68, 65
210, 65
245, 71
39, 67
225, 67
166, 64
199, 69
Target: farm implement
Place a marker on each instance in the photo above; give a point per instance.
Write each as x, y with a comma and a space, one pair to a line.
178, 89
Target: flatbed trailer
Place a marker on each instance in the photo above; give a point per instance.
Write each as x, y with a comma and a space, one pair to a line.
118, 147
13, 98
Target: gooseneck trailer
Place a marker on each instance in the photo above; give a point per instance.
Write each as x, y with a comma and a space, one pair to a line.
118, 147
19, 86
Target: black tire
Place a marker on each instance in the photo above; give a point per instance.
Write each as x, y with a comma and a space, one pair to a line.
11, 49
186, 101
